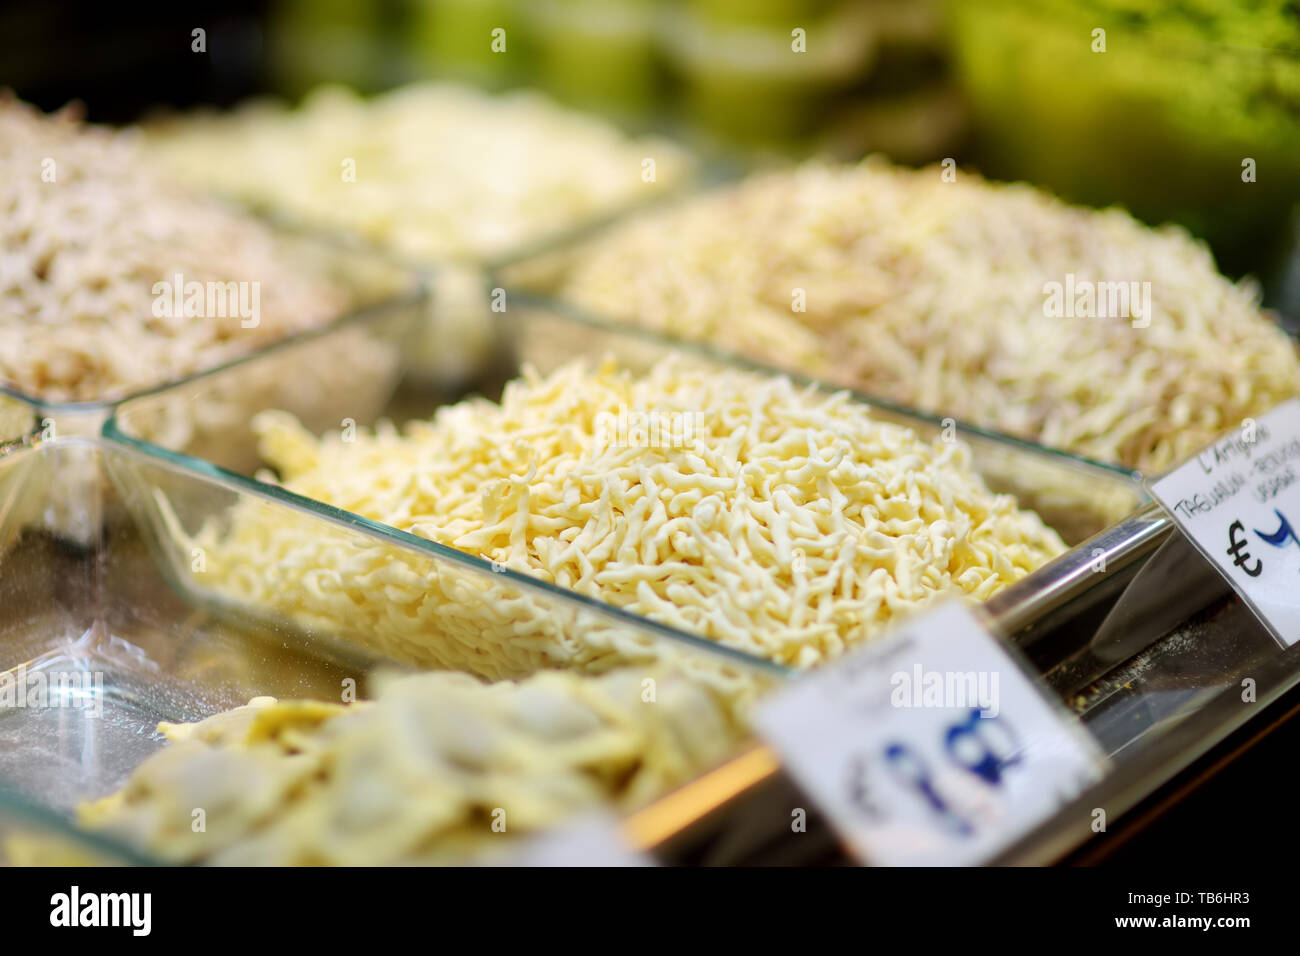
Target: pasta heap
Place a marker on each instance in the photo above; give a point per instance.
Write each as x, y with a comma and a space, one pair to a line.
432, 171
436, 769
936, 294
87, 231
783, 522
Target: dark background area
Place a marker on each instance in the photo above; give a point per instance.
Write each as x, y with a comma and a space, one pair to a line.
121, 60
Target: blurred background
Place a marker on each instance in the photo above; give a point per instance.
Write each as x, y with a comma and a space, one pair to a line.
1184, 111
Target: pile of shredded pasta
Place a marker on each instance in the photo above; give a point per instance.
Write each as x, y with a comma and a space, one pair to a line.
781, 521
436, 769
433, 171
87, 230
935, 293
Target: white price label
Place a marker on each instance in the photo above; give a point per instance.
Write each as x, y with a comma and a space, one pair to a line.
1239, 503
592, 840
932, 746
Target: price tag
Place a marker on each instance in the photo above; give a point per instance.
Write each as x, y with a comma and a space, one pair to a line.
1239, 503
932, 746
592, 840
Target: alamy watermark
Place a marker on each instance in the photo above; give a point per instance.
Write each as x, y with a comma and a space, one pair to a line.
176, 298
633, 428
1085, 299
133, 911
21, 689
945, 689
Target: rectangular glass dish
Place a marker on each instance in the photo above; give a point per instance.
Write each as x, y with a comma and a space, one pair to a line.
1075, 497
113, 623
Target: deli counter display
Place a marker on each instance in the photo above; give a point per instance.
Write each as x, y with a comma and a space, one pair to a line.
448, 476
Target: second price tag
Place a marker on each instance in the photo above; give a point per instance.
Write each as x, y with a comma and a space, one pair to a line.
1239, 502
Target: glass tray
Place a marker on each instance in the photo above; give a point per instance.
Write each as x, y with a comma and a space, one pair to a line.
1076, 497
114, 621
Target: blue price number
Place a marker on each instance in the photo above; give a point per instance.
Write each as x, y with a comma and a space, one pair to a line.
1282, 536
974, 745
984, 747
910, 770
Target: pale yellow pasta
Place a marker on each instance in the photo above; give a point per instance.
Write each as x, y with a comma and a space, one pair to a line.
434, 171
783, 522
936, 292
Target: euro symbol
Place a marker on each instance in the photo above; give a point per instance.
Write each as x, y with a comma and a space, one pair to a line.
1237, 542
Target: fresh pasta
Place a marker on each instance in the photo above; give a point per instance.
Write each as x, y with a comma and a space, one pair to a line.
433, 171
780, 521
998, 304
92, 239
438, 768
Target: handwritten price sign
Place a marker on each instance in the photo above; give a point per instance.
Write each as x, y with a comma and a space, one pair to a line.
1239, 502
